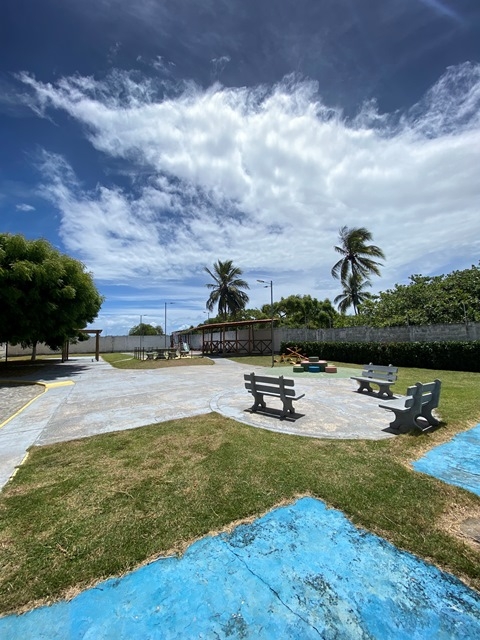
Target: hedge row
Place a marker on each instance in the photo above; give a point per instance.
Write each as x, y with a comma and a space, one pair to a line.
453, 356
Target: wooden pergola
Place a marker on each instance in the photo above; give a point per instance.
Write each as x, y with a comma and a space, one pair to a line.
95, 332
214, 340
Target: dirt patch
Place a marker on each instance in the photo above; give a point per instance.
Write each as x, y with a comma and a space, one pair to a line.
14, 396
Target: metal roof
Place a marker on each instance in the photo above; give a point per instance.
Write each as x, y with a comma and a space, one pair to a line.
239, 323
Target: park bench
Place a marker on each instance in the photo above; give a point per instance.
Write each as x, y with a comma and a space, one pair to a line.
260, 386
419, 402
381, 375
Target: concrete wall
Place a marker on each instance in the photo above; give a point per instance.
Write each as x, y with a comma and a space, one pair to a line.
108, 344
428, 333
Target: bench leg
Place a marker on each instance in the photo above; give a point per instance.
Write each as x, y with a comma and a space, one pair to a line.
364, 386
405, 419
259, 402
427, 414
287, 407
385, 390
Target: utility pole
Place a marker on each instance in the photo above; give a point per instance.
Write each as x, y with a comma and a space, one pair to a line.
269, 283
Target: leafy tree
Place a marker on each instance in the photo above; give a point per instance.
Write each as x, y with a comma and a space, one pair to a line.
450, 298
144, 329
45, 296
354, 293
356, 254
227, 289
248, 314
302, 311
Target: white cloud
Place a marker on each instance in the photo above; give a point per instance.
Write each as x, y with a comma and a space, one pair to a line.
24, 207
266, 176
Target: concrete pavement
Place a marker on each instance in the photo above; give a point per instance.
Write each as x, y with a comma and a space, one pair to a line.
84, 398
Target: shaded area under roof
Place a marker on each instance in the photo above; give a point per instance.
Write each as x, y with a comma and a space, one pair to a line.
216, 342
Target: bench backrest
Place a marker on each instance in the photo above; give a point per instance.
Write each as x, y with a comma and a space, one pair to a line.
379, 371
420, 394
269, 384
430, 392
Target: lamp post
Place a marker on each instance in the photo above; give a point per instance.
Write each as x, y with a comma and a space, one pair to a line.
269, 283
166, 322
141, 331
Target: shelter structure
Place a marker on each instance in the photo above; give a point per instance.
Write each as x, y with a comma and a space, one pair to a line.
95, 332
244, 337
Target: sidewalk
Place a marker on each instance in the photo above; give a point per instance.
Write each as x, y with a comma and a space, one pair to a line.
85, 398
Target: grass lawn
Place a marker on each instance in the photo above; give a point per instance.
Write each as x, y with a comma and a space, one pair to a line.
127, 361
80, 511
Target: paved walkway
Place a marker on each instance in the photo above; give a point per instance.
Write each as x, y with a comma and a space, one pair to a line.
301, 571
85, 397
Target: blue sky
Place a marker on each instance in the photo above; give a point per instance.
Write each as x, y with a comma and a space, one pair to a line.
149, 139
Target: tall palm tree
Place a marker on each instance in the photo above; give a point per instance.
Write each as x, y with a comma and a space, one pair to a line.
356, 254
353, 293
226, 291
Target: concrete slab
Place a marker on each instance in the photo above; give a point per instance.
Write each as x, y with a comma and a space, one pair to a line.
456, 462
330, 409
86, 398
301, 571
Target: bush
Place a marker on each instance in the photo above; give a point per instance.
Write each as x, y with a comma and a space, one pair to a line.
453, 355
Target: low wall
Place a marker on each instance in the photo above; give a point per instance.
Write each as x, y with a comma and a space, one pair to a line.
107, 344
427, 333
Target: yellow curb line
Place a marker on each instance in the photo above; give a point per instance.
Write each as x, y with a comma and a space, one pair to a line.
53, 385
18, 466
46, 386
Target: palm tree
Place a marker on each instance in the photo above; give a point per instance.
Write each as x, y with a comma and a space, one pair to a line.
353, 293
357, 255
226, 291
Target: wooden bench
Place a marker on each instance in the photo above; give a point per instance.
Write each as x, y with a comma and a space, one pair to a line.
378, 374
419, 402
260, 386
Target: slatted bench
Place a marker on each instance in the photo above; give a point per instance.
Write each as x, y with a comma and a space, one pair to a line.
381, 375
260, 386
419, 402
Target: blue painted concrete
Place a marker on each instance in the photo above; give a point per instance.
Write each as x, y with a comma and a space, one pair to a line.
301, 571
456, 462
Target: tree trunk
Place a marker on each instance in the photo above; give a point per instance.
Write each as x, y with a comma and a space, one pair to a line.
34, 352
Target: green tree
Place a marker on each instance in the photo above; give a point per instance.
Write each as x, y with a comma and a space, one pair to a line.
302, 311
227, 289
354, 293
45, 296
144, 329
443, 299
356, 254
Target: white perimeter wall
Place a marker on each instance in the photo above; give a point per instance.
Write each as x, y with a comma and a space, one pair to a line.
428, 333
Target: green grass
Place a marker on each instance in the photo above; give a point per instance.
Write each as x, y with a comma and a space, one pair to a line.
80, 511
127, 361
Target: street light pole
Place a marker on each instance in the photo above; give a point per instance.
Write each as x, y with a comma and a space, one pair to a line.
269, 283
166, 322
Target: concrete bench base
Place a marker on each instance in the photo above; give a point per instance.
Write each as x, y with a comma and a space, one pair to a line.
261, 386
380, 375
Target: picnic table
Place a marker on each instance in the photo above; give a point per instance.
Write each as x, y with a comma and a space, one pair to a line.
167, 354
161, 354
